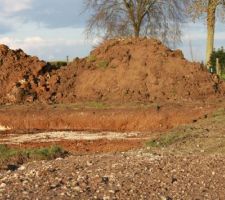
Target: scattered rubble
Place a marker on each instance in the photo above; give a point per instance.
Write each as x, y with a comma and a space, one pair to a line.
131, 175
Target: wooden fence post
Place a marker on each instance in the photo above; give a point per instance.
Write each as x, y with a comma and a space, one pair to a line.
67, 60
218, 67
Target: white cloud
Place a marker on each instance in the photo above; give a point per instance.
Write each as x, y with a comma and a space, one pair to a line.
50, 49
36, 40
220, 35
198, 31
10, 19
195, 36
53, 29
12, 6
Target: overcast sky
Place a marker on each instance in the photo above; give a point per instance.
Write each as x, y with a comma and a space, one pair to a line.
53, 29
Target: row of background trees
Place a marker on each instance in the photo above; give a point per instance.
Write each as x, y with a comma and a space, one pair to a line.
161, 19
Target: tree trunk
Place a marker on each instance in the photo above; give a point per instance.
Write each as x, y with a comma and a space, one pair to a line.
211, 20
136, 32
137, 27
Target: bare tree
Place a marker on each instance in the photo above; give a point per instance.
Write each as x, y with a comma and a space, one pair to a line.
157, 18
208, 9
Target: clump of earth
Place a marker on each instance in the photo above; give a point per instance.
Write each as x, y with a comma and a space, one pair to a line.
18, 74
118, 70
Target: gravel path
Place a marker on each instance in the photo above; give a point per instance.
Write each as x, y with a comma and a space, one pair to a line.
131, 175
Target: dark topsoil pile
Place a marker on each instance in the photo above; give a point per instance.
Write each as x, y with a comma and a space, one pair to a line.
119, 70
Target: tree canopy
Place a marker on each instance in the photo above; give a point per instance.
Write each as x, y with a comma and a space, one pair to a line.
157, 18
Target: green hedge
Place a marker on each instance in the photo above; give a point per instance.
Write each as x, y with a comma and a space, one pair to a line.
58, 64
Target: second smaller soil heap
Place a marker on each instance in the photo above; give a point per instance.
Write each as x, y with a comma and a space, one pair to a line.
18, 75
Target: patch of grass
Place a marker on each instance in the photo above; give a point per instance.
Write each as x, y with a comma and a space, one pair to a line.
91, 58
222, 76
83, 105
8, 154
219, 112
103, 64
95, 104
168, 139
46, 153
174, 91
218, 116
104, 105
206, 136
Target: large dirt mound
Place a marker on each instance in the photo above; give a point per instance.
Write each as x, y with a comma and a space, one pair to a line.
134, 70
119, 70
18, 71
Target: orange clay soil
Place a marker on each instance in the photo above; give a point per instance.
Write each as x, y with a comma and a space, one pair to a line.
86, 147
16, 72
149, 121
119, 70
172, 90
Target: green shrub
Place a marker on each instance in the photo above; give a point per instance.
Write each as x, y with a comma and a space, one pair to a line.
103, 64
91, 58
46, 153
58, 64
7, 154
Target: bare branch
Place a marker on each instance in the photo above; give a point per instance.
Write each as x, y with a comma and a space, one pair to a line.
157, 18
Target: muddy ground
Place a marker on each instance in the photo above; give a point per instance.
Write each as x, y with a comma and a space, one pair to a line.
94, 128
185, 162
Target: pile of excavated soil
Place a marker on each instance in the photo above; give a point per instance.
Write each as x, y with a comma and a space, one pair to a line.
119, 70
134, 70
18, 75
